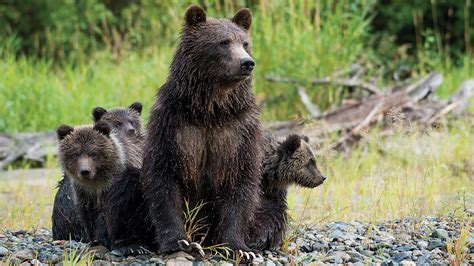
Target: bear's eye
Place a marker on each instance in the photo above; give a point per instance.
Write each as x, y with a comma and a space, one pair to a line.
311, 162
225, 43
118, 124
246, 45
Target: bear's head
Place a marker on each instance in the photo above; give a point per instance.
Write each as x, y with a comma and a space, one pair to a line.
125, 122
91, 156
297, 163
217, 49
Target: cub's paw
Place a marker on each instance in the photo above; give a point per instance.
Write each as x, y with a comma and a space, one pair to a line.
132, 250
192, 248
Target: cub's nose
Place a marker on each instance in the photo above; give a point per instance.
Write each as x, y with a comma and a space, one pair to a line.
324, 177
131, 131
247, 64
85, 173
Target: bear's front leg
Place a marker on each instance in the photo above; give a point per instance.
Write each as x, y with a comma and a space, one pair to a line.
236, 207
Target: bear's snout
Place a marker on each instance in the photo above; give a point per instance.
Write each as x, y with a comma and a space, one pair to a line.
85, 168
247, 64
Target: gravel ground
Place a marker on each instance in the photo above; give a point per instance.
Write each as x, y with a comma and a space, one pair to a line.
405, 242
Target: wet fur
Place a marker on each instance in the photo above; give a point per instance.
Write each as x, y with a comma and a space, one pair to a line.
285, 163
66, 222
106, 162
204, 137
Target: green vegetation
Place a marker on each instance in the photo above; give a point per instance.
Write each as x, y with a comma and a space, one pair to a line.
74, 56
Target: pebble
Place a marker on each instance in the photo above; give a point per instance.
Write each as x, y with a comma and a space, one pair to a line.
422, 244
3, 251
436, 243
396, 242
440, 233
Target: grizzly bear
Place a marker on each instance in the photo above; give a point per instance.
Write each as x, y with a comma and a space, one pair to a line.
289, 162
204, 138
126, 124
91, 158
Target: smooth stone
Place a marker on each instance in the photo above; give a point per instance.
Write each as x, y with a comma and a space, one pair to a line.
440, 233
423, 259
269, 263
179, 261
101, 263
258, 261
405, 248
407, 263
436, 243
24, 254
336, 235
422, 244
284, 260
417, 253
3, 251
157, 260
306, 247
339, 257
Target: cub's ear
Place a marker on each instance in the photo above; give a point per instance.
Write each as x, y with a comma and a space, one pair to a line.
194, 15
63, 131
137, 106
103, 128
98, 113
290, 145
243, 18
305, 138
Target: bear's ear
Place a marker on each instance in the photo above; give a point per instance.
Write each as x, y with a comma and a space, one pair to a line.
243, 18
137, 106
63, 131
98, 113
305, 138
290, 145
103, 128
194, 15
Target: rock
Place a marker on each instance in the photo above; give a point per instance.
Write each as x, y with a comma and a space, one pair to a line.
339, 257
179, 261
436, 243
269, 263
417, 253
284, 260
3, 251
440, 233
422, 244
99, 251
320, 246
355, 256
402, 256
25, 254
407, 263
101, 263
157, 261
336, 235
306, 247
424, 259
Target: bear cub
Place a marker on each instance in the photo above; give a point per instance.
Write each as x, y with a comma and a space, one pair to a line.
285, 163
125, 123
91, 157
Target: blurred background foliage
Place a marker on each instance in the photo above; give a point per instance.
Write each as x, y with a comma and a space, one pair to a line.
60, 58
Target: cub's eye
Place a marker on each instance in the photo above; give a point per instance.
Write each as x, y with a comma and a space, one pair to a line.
117, 124
225, 43
312, 162
246, 45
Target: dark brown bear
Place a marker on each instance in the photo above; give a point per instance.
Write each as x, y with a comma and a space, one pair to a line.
126, 124
91, 158
204, 136
286, 163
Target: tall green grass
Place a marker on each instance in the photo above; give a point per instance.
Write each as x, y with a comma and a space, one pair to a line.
299, 39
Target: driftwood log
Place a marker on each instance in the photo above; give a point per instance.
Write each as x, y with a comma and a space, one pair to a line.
413, 99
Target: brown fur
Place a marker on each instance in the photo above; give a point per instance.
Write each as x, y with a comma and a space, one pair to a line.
204, 137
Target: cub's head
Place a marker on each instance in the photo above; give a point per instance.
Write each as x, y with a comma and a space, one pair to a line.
218, 49
297, 162
124, 122
89, 155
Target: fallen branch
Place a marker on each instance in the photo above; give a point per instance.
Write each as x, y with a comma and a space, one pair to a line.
312, 109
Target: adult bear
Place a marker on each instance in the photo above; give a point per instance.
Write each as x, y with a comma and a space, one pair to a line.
204, 137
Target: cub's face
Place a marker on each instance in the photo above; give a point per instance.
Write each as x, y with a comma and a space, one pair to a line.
298, 163
87, 154
124, 122
218, 47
